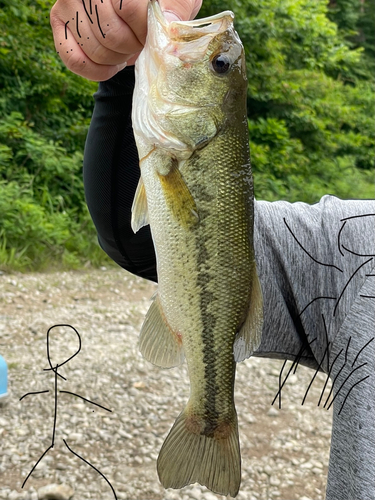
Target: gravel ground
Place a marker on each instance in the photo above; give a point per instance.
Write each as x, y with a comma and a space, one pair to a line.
284, 452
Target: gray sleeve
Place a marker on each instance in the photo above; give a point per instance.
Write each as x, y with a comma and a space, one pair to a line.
316, 265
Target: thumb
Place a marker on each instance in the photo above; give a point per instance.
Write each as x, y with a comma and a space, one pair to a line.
180, 10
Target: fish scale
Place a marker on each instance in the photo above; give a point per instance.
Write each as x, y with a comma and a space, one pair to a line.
196, 193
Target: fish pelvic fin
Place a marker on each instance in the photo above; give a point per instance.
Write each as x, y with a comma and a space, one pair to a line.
250, 335
189, 455
158, 343
139, 208
178, 197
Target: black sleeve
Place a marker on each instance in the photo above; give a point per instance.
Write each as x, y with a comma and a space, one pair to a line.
111, 173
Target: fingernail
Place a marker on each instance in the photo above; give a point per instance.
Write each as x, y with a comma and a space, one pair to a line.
120, 67
171, 16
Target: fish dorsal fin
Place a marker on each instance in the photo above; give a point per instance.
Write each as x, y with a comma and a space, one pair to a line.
139, 208
158, 343
178, 197
250, 334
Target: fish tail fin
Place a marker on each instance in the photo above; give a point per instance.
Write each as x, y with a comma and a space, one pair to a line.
191, 453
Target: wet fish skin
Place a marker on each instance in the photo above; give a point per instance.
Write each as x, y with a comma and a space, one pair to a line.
196, 192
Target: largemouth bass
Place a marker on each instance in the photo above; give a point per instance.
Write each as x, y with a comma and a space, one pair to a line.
196, 192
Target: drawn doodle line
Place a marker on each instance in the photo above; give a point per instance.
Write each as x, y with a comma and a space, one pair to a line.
97, 17
299, 355
345, 287
342, 385
311, 257
36, 392
79, 34
359, 352
358, 254
294, 365
88, 400
32, 470
120, 4
55, 371
326, 334
88, 463
66, 30
357, 216
88, 15
347, 348
91, 7
328, 375
338, 374
315, 374
350, 390
316, 298
338, 238
290, 369
280, 375
67, 360
55, 416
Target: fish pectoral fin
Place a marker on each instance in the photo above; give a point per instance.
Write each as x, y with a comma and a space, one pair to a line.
190, 455
158, 343
177, 196
249, 337
139, 208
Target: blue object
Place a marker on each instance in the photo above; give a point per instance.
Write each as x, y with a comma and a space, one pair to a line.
3, 378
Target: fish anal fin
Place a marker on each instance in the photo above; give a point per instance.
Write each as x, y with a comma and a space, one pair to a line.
178, 197
139, 208
157, 342
249, 337
188, 455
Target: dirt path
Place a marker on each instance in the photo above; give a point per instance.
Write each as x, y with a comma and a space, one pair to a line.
284, 452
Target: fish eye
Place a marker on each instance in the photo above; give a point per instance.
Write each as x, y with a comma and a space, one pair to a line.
221, 64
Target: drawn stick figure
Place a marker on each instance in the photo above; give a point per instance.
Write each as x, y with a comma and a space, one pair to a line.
57, 374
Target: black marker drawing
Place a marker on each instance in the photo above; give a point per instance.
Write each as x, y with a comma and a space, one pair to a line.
97, 17
339, 239
57, 374
309, 254
347, 283
345, 364
78, 33
66, 30
88, 15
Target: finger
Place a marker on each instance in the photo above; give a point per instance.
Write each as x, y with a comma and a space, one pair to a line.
111, 30
182, 9
90, 31
74, 57
134, 14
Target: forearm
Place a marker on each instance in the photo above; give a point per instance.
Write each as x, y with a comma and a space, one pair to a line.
111, 174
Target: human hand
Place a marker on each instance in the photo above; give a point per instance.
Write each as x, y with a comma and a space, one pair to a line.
97, 39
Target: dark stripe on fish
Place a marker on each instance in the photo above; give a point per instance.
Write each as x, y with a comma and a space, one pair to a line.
209, 323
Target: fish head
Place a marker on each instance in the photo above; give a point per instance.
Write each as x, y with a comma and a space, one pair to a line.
190, 81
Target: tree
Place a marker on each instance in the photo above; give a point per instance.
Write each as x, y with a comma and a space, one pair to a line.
44, 115
310, 103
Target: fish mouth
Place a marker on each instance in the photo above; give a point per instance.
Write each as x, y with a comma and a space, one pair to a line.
170, 49
187, 40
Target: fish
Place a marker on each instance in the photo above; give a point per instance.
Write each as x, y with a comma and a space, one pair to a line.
196, 193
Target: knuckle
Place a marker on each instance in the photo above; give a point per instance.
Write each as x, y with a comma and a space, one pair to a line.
121, 39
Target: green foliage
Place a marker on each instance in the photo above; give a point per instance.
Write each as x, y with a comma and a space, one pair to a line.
44, 115
311, 101
33, 237
310, 98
